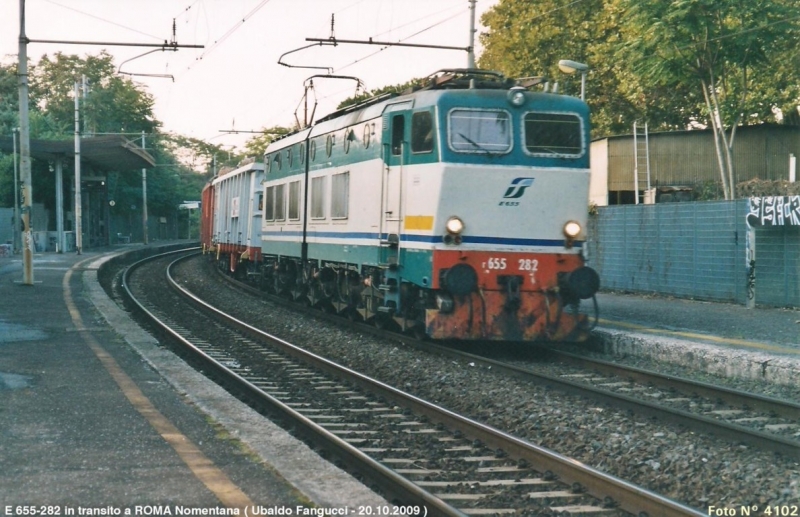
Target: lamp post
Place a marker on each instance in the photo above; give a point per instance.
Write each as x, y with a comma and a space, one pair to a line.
570, 67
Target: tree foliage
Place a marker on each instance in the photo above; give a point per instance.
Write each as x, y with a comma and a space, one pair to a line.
646, 55
675, 63
111, 104
256, 146
726, 50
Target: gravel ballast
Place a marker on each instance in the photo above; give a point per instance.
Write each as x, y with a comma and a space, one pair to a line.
696, 470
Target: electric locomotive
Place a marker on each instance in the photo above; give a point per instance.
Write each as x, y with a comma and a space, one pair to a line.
455, 211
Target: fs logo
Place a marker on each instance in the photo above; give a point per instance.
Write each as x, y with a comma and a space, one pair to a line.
516, 190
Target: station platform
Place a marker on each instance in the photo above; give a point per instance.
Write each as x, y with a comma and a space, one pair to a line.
96, 419
759, 344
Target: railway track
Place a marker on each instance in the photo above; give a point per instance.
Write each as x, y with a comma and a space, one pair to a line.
756, 420
418, 454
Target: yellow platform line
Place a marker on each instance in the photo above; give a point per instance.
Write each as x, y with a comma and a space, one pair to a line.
201, 466
702, 337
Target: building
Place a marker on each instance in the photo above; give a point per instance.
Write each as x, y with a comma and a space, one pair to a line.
682, 163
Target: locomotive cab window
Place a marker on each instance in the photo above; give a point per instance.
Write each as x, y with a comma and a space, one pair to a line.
398, 130
422, 132
479, 131
553, 134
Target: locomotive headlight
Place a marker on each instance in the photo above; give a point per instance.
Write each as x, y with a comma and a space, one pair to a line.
454, 225
516, 96
572, 229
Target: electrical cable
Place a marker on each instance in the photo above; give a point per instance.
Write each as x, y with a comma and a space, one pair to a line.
233, 29
104, 20
398, 41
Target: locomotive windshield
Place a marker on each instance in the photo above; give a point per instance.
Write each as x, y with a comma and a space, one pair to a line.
479, 131
553, 134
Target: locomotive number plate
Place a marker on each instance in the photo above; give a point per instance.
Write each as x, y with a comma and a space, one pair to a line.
502, 263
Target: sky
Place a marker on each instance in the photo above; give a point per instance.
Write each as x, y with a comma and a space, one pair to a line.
235, 82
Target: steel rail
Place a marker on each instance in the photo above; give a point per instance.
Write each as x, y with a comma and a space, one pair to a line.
706, 424
396, 486
784, 408
601, 485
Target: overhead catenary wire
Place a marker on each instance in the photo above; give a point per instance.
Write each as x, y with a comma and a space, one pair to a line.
233, 29
399, 41
104, 20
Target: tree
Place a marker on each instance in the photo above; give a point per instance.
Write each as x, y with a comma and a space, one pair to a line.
257, 145
724, 48
529, 38
113, 104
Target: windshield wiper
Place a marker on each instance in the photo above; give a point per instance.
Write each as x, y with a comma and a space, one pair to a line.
472, 142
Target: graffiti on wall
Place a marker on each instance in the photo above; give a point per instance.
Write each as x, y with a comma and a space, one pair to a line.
774, 211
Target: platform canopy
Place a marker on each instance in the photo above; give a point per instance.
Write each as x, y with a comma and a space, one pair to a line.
109, 152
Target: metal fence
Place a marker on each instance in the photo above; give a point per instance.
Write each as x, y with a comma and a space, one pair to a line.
694, 250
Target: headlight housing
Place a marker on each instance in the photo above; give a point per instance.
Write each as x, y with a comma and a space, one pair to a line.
572, 229
516, 96
454, 225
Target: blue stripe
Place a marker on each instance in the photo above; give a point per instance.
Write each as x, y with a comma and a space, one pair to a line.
432, 239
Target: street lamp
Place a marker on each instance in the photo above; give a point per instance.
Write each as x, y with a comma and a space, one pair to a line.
570, 67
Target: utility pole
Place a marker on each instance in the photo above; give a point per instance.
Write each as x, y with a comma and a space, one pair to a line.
25, 152
15, 229
144, 199
78, 201
471, 51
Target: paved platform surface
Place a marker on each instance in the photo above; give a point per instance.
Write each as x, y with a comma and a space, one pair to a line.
770, 329
94, 415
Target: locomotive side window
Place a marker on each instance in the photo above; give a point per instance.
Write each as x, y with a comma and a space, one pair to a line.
553, 134
312, 150
398, 130
280, 203
302, 154
340, 195
479, 131
318, 198
294, 200
289, 157
349, 136
422, 132
260, 202
330, 142
269, 208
